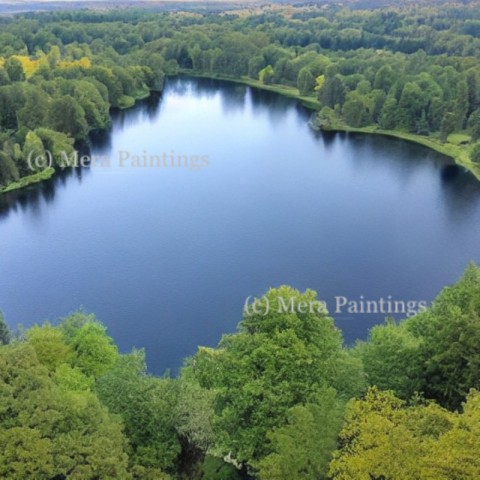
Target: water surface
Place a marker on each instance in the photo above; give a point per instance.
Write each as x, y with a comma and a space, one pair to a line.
166, 256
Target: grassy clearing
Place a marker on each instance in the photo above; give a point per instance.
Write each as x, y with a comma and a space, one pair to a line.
459, 138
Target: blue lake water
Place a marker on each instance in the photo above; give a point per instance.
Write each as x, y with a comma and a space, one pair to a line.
167, 255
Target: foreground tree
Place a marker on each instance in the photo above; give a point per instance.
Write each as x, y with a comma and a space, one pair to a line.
51, 432
147, 406
391, 359
302, 449
283, 355
383, 437
450, 341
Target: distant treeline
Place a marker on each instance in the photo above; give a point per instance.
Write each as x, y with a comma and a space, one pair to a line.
413, 69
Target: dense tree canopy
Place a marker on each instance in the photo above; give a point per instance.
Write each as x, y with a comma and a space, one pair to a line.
282, 398
413, 69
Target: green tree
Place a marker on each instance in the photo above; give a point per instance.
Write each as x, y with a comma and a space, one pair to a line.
279, 358
196, 56
148, 407
33, 114
67, 116
194, 426
34, 157
302, 449
25, 454
305, 81
215, 468
412, 102
114, 86
383, 438
455, 454
325, 119
474, 125
450, 341
255, 64
461, 104
332, 91
96, 109
8, 169
475, 154
448, 125
266, 74
12, 100
14, 69
356, 110
94, 352
51, 432
388, 115
54, 56
391, 359
384, 78
49, 345
4, 78
473, 92
59, 144
421, 126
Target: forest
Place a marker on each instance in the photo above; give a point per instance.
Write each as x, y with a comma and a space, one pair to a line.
412, 71
282, 398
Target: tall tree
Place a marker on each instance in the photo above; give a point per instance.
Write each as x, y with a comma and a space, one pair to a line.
66, 115
14, 69
305, 81
450, 341
280, 357
302, 449
51, 432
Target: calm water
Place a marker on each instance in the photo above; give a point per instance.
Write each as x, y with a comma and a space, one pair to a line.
167, 256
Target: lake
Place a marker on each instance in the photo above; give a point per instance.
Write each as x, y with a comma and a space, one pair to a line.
214, 192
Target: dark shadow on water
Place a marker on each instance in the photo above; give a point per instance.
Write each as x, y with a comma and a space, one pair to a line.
101, 141
147, 108
461, 191
449, 173
329, 138
30, 199
401, 157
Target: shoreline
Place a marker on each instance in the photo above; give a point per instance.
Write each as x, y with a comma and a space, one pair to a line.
458, 153
48, 173
28, 180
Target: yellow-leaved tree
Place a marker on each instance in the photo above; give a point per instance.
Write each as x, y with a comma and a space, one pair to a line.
385, 438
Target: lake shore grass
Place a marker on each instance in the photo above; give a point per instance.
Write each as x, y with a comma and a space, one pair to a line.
459, 152
29, 180
308, 101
